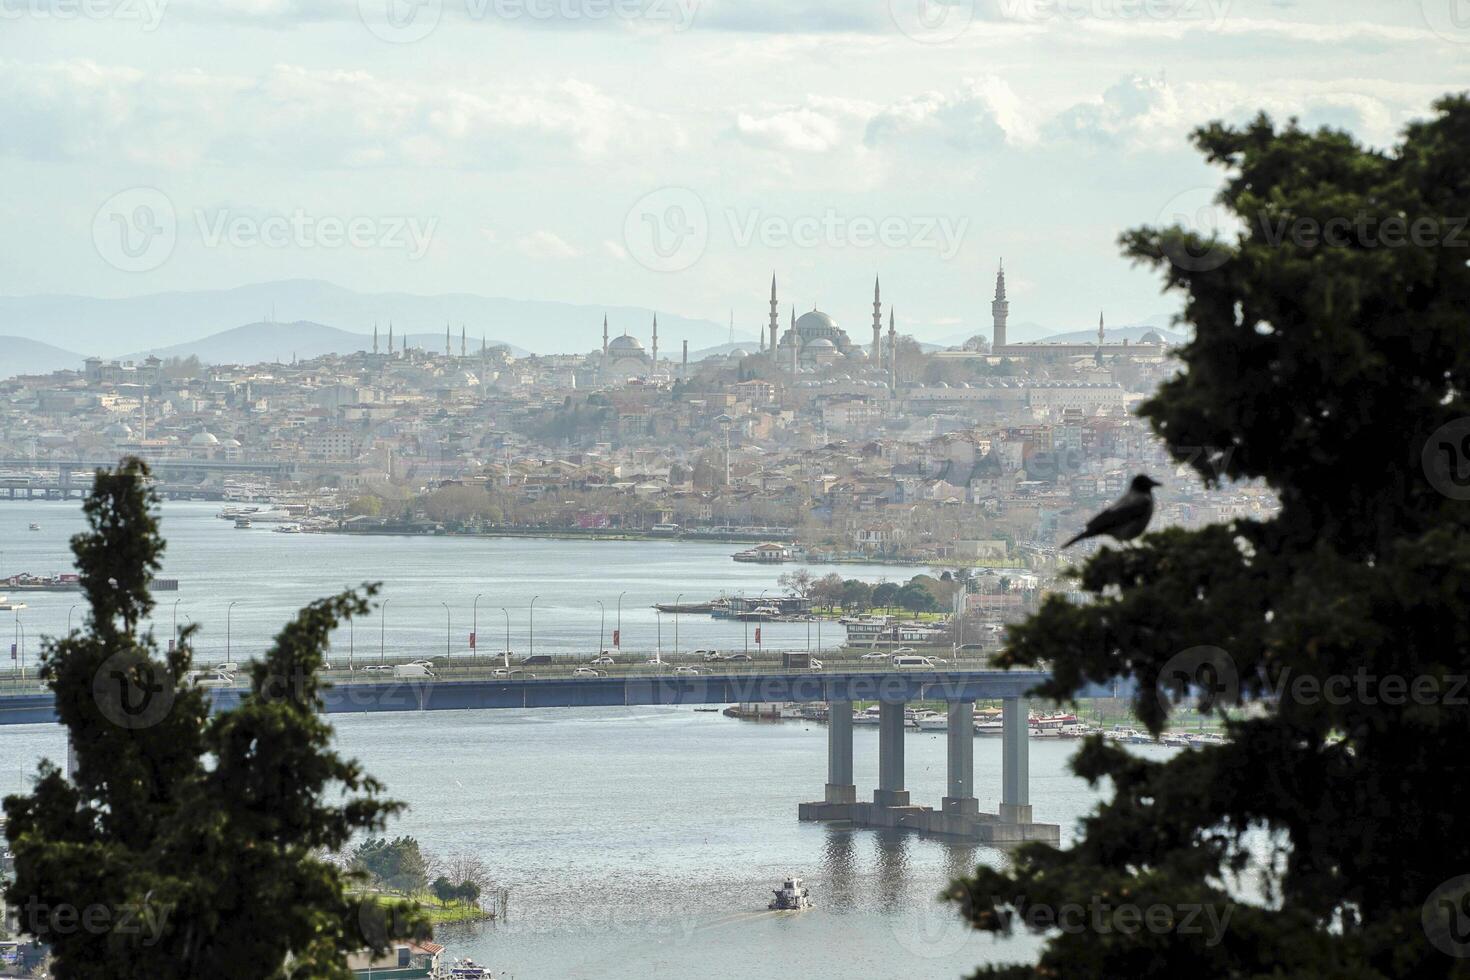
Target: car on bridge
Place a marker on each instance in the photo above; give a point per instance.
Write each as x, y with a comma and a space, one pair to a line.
588, 672
510, 672
688, 670
602, 660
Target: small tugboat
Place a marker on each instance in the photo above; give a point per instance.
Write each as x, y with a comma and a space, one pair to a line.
792, 896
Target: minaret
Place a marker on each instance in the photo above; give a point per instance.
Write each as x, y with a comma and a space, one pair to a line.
684, 364
775, 318
375, 336
877, 322
447, 350
390, 338
655, 341
463, 341
795, 347
892, 352
604, 336
999, 310
1099, 328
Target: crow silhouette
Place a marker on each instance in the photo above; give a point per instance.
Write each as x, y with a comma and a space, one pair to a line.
1127, 517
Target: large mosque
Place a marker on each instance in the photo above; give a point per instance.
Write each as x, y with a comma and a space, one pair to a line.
814, 340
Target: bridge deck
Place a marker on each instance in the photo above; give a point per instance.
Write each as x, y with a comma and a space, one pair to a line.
431, 694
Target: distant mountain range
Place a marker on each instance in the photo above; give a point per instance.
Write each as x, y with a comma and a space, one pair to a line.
171, 321
20, 355
268, 341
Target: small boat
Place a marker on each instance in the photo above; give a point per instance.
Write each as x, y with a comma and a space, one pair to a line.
932, 721
242, 524
1207, 738
466, 969
35, 526
792, 896
288, 529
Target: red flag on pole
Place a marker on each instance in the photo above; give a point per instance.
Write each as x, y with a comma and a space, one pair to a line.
617, 638
472, 641
757, 636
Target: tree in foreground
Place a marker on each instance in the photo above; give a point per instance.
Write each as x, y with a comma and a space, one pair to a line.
186, 846
1331, 360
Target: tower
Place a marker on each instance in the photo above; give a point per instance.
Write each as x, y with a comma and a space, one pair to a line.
775, 316
463, 341
1099, 328
375, 336
999, 309
604, 336
655, 341
795, 346
684, 363
390, 338
877, 322
448, 352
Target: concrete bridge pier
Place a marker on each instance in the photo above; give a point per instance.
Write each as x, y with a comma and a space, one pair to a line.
890, 791
840, 787
1015, 764
960, 734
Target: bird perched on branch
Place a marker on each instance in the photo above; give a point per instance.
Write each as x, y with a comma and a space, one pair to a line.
1127, 517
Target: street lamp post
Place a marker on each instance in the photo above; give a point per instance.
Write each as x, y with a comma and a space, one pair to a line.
68, 619
173, 642
448, 632
532, 651
351, 642
658, 650
475, 630
676, 622
619, 630
383, 632
20, 647
601, 626
507, 635
229, 614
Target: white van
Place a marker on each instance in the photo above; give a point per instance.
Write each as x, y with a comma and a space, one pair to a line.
402, 671
911, 660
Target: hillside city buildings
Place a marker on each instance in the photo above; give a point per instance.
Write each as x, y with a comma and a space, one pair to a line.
846, 444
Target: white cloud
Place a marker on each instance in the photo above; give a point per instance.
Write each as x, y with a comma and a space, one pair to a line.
982, 114
544, 244
306, 118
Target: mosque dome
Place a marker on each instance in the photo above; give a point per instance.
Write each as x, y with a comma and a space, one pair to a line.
204, 439
1152, 337
738, 353
625, 344
815, 322
822, 343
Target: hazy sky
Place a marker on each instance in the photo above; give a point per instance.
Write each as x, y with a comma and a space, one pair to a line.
664, 153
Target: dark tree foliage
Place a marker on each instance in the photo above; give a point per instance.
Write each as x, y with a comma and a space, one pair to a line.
1329, 370
186, 846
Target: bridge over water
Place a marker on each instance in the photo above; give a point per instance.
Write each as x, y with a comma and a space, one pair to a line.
959, 813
